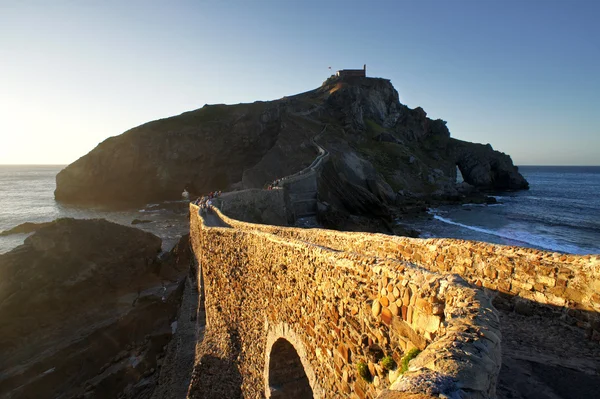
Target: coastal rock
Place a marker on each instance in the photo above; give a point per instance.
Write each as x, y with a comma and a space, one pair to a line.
86, 306
204, 150
346, 197
24, 228
378, 147
359, 101
485, 168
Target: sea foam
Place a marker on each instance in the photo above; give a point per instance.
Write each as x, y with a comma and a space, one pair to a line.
520, 237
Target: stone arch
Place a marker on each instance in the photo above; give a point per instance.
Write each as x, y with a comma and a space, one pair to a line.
288, 373
287, 378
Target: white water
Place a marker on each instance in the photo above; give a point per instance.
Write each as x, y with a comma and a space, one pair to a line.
520, 238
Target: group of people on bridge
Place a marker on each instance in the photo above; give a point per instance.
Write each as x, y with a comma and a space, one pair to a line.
205, 201
274, 185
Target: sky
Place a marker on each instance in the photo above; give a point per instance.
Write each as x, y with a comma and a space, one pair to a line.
523, 76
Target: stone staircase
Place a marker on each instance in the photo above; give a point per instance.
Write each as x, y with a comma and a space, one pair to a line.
304, 203
302, 188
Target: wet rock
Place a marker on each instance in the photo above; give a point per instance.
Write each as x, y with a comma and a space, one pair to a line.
140, 221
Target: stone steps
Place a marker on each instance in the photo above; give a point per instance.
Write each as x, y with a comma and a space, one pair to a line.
302, 196
306, 207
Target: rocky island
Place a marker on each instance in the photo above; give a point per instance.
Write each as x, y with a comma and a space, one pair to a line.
383, 156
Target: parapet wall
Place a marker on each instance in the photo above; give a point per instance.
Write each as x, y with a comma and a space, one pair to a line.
344, 308
256, 206
568, 284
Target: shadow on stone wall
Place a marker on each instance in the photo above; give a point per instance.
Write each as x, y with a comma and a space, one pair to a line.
216, 378
546, 350
216, 375
588, 321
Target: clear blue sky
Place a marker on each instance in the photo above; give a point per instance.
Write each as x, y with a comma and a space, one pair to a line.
521, 75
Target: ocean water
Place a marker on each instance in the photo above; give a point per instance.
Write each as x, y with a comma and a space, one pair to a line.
27, 195
560, 212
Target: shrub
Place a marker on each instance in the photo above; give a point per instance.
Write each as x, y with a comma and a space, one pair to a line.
407, 358
388, 363
363, 371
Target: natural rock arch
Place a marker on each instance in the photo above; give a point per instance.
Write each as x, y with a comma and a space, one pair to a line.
288, 374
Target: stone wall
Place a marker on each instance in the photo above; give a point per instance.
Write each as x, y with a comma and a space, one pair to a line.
256, 206
301, 194
536, 280
338, 309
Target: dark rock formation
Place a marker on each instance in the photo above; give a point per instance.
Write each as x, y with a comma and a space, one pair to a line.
383, 153
485, 168
343, 195
203, 150
86, 307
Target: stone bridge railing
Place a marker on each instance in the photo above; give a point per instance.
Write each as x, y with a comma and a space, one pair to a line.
296, 317
532, 280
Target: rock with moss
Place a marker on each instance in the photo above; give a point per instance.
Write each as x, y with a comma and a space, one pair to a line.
388, 363
410, 355
363, 371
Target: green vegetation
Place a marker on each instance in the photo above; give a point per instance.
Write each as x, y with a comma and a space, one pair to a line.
407, 358
363, 371
388, 363
373, 128
385, 157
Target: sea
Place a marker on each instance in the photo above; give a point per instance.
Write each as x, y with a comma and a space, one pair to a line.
560, 212
27, 195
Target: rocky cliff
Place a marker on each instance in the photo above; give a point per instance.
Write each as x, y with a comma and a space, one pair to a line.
86, 308
381, 151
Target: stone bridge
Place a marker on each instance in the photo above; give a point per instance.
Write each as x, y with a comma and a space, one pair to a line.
303, 313
297, 317
296, 313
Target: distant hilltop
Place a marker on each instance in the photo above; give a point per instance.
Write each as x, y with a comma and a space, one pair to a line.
382, 153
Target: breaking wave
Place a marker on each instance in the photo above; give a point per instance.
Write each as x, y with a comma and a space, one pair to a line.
520, 237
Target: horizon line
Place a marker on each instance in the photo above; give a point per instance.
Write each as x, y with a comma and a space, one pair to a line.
67, 164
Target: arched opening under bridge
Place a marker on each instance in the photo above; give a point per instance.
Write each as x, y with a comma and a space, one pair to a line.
287, 378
